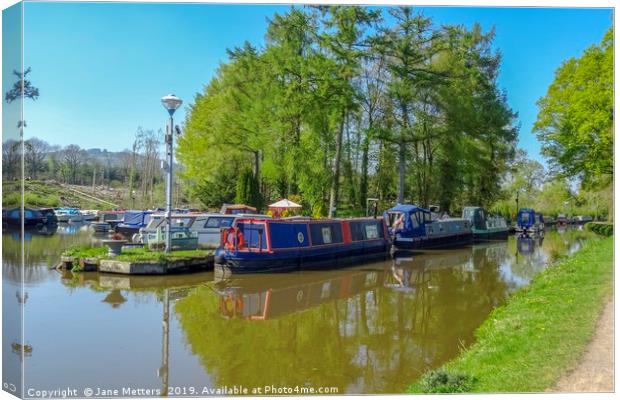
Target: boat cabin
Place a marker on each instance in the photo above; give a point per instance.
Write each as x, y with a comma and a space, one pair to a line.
207, 227
526, 219
260, 244
413, 227
237, 209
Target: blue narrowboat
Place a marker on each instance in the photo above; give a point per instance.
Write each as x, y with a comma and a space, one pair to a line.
412, 227
13, 217
271, 245
132, 222
529, 221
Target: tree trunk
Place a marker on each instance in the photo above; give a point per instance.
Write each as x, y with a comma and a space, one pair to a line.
257, 165
364, 174
333, 193
402, 149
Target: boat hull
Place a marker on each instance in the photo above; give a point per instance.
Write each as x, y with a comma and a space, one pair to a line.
286, 261
486, 235
420, 243
127, 231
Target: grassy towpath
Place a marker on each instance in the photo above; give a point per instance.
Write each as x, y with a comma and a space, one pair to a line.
539, 335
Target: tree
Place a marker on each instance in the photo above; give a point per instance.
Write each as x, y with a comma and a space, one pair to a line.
22, 88
34, 158
247, 190
11, 157
329, 113
343, 38
73, 157
575, 118
409, 47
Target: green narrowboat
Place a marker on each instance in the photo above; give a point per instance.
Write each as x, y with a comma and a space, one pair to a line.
485, 226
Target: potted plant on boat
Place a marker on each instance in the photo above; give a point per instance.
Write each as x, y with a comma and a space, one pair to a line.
115, 244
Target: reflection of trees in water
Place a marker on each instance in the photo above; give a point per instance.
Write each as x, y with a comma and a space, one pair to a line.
530, 255
41, 253
378, 339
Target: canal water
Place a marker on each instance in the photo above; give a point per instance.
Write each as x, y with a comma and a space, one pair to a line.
374, 328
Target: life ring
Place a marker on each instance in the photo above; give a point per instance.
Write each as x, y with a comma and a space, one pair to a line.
240, 239
233, 239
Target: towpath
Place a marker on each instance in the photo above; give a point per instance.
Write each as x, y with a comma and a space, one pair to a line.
595, 371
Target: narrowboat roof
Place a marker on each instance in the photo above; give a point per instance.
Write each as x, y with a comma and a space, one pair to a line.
407, 208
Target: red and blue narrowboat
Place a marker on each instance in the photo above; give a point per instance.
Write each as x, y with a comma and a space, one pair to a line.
272, 245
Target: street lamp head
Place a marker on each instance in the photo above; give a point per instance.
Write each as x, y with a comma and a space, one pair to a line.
171, 103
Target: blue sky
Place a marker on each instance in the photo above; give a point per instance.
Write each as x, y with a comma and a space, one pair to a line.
102, 67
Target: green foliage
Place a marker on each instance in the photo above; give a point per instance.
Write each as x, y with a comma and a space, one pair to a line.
145, 255
85, 251
540, 333
601, 228
441, 381
212, 194
575, 118
248, 191
339, 99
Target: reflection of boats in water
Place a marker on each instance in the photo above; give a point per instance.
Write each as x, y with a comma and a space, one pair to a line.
71, 228
262, 297
258, 297
30, 231
527, 244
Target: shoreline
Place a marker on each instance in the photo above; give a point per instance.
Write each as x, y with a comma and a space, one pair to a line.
539, 335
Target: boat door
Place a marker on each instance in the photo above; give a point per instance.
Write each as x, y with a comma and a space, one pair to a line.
418, 222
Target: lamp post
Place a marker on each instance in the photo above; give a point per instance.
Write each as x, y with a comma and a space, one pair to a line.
170, 103
517, 204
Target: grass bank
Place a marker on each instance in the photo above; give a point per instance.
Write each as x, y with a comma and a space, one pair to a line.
145, 255
138, 254
527, 344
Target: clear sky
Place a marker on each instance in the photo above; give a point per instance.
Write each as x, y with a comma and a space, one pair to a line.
102, 67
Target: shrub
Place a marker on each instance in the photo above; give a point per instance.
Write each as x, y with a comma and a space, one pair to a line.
442, 381
601, 228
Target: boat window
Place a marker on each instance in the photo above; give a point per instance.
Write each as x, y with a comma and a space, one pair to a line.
182, 221
372, 232
110, 217
396, 220
357, 233
327, 234
366, 230
414, 220
28, 214
155, 221
15, 214
219, 222
253, 235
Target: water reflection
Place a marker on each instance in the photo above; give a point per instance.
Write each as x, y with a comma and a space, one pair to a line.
369, 329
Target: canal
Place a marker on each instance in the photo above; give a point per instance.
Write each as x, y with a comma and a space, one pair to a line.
374, 328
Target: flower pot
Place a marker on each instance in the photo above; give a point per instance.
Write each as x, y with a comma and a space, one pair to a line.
114, 246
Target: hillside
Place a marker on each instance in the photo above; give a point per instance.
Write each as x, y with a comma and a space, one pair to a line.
54, 194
